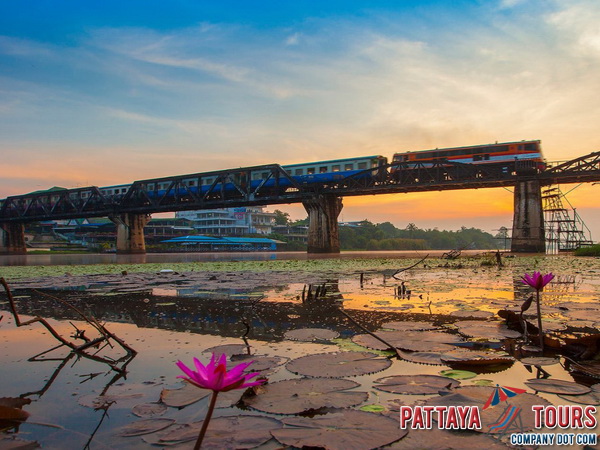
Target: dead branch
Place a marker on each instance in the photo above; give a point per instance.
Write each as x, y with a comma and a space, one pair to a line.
390, 346
410, 267
78, 349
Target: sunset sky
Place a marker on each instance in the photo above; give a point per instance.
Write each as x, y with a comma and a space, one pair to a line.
108, 92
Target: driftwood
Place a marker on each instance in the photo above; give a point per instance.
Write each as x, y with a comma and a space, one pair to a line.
106, 337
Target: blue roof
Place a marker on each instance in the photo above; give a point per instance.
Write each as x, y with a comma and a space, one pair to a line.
249, 240
194, 239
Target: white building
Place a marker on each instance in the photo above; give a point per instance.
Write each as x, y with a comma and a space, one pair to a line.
230, 221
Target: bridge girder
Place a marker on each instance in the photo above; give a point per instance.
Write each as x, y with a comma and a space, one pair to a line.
279, 187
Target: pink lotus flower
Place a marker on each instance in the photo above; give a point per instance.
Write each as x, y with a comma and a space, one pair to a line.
537, 280
214, 375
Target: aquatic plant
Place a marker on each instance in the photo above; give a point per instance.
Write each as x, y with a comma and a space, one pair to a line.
214, 376
537, 281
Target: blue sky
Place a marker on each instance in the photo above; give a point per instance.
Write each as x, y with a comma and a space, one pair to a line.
99, 93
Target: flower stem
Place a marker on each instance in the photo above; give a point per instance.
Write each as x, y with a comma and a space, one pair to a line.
211, 408
539, 317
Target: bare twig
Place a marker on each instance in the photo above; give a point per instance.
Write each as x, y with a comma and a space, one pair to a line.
410, 267
351, 319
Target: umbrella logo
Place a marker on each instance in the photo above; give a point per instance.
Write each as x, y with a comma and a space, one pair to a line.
510, 418
502, 393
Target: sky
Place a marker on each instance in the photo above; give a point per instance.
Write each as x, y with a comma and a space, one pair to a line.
108, 92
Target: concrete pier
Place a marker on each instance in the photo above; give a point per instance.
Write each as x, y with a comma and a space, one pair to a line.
323, 212
130, 232
12, 238
528, 225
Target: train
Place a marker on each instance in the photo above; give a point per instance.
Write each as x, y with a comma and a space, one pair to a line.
505, 155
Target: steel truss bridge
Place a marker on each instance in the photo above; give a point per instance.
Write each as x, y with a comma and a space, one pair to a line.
233, 188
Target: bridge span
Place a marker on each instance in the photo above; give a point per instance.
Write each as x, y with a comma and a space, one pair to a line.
271, 184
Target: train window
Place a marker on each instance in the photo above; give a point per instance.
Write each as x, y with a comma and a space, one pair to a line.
310, 171
362, 165
349, 166
255, 176
323, 169
265, 175
299, 172
476, 157
530, 147
335, 168
192, 183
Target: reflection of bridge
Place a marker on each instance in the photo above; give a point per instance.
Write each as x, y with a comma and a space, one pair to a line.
267, 320
323, 201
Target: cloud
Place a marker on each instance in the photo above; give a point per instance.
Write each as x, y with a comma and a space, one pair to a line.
577, 23
220, 95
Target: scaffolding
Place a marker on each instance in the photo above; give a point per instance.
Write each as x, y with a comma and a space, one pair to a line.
565, 230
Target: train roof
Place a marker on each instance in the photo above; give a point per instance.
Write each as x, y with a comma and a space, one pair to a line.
471, 146
330, 161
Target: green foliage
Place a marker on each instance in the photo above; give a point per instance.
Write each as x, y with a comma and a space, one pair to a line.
592, 250
281, 218
385, 236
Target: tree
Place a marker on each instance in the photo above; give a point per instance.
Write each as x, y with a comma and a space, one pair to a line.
281, 218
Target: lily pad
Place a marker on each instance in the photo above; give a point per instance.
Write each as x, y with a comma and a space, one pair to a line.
436, 439
311, 334
553, 386
113, 400
229, 350
539, 361
409, 326
486, 330
432, 358
189, 394
339, 364
345, 430
458, 374
260, 363
591, 398
474, 359
415, 384
145, 426
416, 341
13, 443
305, 394
250, 432
147, 410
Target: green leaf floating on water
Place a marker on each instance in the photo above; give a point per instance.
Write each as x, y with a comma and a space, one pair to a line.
372, 408
458, 374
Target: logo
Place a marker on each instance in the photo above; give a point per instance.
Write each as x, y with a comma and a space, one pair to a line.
509, 420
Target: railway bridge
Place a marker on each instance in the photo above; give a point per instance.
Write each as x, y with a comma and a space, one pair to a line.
131, 210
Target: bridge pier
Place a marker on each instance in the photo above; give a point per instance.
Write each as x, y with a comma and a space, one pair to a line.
12, 238
528, 224
130, 232
323, 212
